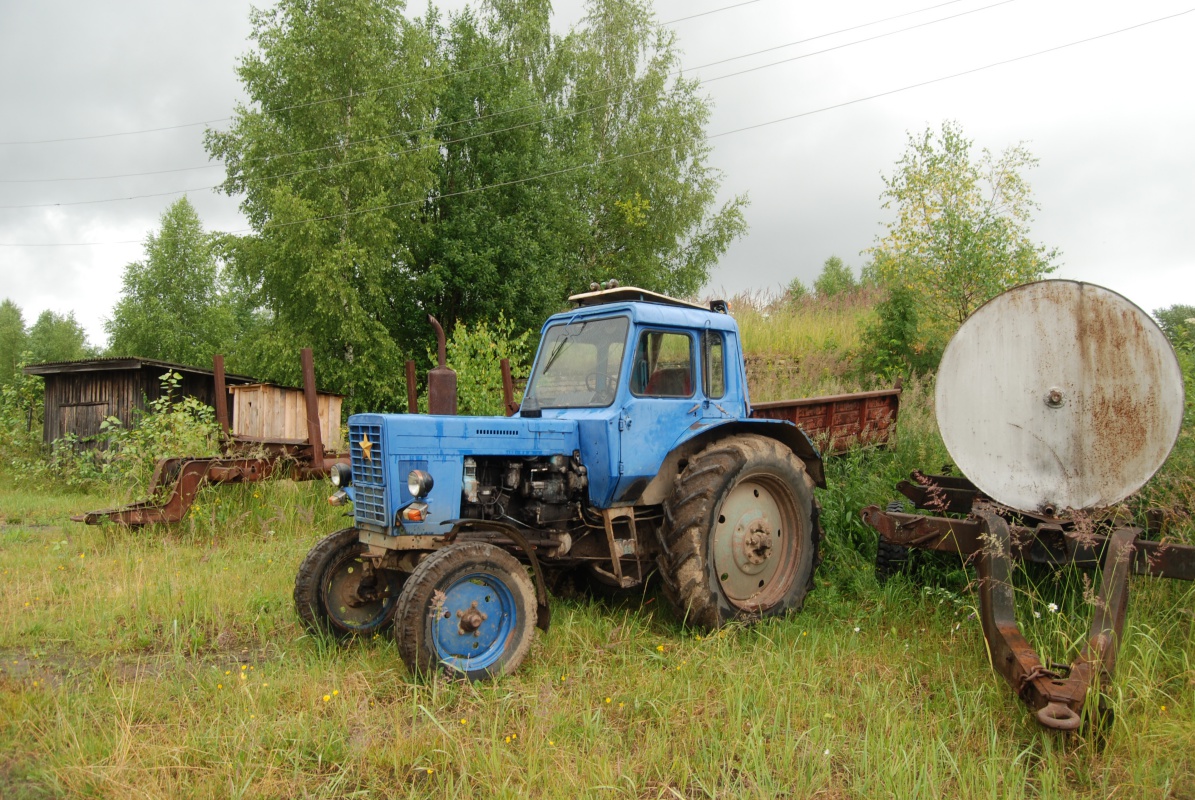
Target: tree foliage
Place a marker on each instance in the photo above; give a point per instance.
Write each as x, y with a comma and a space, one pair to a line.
54, 337
835, 278
465, 167
795, 291
1178, 323
334, 158
172, 306
961, 231
12, 340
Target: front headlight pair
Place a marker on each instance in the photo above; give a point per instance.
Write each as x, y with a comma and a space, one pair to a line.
419, 482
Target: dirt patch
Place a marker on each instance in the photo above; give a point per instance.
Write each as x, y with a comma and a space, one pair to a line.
64, 666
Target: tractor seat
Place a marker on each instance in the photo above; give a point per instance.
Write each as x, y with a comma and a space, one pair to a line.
670, 382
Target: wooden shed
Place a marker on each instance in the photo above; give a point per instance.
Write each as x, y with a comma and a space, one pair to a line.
79, 395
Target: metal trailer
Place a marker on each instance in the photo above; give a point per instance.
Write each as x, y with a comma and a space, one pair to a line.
1057, 400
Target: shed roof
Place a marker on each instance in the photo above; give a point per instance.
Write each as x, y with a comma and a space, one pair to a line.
114, 364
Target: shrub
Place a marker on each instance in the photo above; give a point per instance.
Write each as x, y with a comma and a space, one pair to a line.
476, 353
891, 344
21, 419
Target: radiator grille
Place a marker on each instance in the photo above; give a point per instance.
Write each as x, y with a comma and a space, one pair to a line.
369, 485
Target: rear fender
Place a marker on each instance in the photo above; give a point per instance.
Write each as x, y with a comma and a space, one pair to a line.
660, 487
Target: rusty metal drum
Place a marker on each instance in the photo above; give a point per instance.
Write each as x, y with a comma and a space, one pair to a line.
1059, 395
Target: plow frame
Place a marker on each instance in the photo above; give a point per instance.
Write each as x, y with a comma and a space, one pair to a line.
1055, 693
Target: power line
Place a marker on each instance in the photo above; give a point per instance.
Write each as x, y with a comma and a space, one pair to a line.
112, 199
576, 112
320, 102
707, 13
540, 104
649, 151
564, 115
72, 244
110, 177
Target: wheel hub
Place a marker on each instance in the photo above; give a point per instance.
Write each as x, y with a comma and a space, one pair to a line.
354, 595
470, 620
754, 545
750, 555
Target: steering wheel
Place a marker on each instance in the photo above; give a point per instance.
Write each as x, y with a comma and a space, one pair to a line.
596, 380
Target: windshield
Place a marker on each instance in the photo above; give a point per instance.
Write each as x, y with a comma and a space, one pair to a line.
578, 365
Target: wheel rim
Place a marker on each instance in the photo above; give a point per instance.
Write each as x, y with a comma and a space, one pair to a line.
473, 622
754, 560
354, 601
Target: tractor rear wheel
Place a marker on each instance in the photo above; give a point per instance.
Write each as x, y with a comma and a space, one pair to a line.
741, 533
337, 590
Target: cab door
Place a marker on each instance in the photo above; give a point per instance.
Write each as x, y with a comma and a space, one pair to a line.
663, 400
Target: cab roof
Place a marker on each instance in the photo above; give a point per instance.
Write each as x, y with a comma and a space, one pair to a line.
645, 307
629, 294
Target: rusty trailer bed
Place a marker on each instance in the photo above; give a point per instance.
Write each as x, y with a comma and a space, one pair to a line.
838, 422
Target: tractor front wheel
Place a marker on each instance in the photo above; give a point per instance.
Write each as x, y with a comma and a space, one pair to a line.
338, 591
467, 610
741, 533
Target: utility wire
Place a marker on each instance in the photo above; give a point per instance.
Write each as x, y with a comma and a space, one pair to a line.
649, 151
564, 115
330, 100
613, 159
707, 13
536, 105
598, 107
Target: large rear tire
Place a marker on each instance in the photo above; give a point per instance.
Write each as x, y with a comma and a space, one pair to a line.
741, 533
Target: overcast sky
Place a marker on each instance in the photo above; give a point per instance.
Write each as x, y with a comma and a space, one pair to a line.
1112, 122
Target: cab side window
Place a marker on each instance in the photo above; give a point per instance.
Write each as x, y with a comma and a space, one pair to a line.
713, 365
663, 365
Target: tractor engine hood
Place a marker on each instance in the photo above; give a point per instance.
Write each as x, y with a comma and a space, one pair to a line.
385, 448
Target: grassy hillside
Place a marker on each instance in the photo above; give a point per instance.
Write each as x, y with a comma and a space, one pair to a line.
170, 663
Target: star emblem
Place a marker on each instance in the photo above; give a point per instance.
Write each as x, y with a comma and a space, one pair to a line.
366, 446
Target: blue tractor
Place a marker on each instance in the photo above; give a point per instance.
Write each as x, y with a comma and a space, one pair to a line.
634, 450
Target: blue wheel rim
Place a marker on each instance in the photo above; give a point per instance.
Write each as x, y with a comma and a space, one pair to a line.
473, 650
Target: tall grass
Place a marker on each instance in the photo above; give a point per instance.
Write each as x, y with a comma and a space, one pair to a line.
804, 347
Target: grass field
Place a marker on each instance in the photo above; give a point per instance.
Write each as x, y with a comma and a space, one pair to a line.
169, 662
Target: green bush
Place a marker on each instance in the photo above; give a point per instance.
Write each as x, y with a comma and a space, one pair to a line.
476, 354
892, 343
171, 426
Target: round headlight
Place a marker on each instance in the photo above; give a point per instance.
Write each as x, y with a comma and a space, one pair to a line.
341, 475
419, 483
